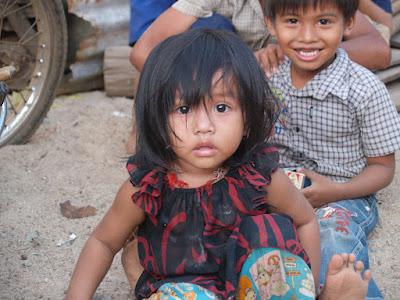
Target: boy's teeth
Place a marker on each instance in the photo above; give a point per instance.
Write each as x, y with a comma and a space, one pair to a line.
308, 53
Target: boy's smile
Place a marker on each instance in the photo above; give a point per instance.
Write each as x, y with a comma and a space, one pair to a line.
309, 38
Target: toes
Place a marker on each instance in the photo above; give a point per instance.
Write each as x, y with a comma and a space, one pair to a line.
367, 275
351, 260
359, 266
336, 264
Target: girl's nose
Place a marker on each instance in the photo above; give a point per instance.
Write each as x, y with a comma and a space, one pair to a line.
202, 121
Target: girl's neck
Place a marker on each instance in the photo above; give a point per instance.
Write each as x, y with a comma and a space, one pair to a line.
194, 180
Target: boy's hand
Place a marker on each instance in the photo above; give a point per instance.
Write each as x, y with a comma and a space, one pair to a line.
270, 58
322, 189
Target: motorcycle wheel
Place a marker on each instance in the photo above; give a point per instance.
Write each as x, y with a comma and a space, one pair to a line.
33, 39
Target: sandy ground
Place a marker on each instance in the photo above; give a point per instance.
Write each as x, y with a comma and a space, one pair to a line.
78, 154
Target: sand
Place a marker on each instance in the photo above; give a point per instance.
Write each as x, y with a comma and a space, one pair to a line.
78, 154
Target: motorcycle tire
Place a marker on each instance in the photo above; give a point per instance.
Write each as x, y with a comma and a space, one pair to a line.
34, 40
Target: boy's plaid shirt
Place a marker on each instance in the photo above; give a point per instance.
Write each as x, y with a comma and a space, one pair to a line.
246, 16
343, 115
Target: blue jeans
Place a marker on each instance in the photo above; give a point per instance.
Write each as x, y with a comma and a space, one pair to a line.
216, 21
143, 14
344, 227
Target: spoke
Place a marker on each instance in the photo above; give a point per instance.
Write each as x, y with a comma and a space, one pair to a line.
16, 48
23, 98
26, 32
31, 37
14, 45
17, 9
1, 26
11, 104
5, 7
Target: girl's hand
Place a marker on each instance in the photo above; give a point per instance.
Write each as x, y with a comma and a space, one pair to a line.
322, 189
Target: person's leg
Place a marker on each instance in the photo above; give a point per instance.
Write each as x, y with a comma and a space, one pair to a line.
181, 290
216, 21
345, 226
275, 274
344, 279
131, 263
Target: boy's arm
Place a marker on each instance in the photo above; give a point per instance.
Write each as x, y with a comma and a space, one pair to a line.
105, 241
169, 23
369, 8
285, 198
364, 42
377, 175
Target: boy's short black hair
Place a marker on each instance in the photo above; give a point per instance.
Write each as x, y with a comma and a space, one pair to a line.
183, 66
274, 7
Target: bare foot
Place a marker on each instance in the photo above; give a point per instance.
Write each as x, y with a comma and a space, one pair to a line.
344, 280
130, 261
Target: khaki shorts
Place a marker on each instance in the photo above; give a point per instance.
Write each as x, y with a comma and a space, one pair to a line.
382, 29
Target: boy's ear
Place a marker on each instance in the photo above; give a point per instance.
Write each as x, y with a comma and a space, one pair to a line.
349, 25
270, 26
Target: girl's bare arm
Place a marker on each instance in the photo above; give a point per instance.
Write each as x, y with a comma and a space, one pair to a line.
106, 240
287, 199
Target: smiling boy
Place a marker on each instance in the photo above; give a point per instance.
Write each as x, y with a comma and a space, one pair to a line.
337, 122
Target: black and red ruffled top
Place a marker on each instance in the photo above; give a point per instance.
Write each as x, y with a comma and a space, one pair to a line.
203, 235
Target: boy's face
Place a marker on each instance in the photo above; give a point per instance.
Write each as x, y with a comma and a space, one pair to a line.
310, 37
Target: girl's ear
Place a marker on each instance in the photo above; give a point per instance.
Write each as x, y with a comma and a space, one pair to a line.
270, 25
348, 26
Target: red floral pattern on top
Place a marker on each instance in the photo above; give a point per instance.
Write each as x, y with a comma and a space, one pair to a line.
203, 235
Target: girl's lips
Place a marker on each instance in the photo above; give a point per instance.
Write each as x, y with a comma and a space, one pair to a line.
204, 150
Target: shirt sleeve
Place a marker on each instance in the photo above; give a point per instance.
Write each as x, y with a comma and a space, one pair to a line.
379, 123
196, 8
143, 13
386, 5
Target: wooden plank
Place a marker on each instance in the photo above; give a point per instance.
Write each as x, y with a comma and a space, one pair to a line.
120, 77
396, 23
395, 57
389, 75
394, 91
70, 86
7, 72
395, 40
396, 7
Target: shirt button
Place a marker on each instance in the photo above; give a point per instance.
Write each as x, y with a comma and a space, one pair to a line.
164, 225
297, 129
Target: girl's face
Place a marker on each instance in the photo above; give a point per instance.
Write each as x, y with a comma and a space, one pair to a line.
204, 137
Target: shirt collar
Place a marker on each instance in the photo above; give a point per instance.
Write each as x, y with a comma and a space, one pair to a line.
331, 80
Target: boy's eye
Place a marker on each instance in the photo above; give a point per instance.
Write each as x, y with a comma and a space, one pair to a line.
324, 22
221, 108
183, 110
291, 21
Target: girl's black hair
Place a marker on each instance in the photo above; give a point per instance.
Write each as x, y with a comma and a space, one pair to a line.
274, 7
183, 66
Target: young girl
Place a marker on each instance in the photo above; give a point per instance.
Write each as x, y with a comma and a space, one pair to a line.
204, 187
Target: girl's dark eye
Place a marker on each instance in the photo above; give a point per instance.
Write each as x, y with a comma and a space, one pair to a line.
183, 110
324, 22
221, 108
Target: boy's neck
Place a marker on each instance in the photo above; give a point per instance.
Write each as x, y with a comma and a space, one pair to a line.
300, 77
299, 81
